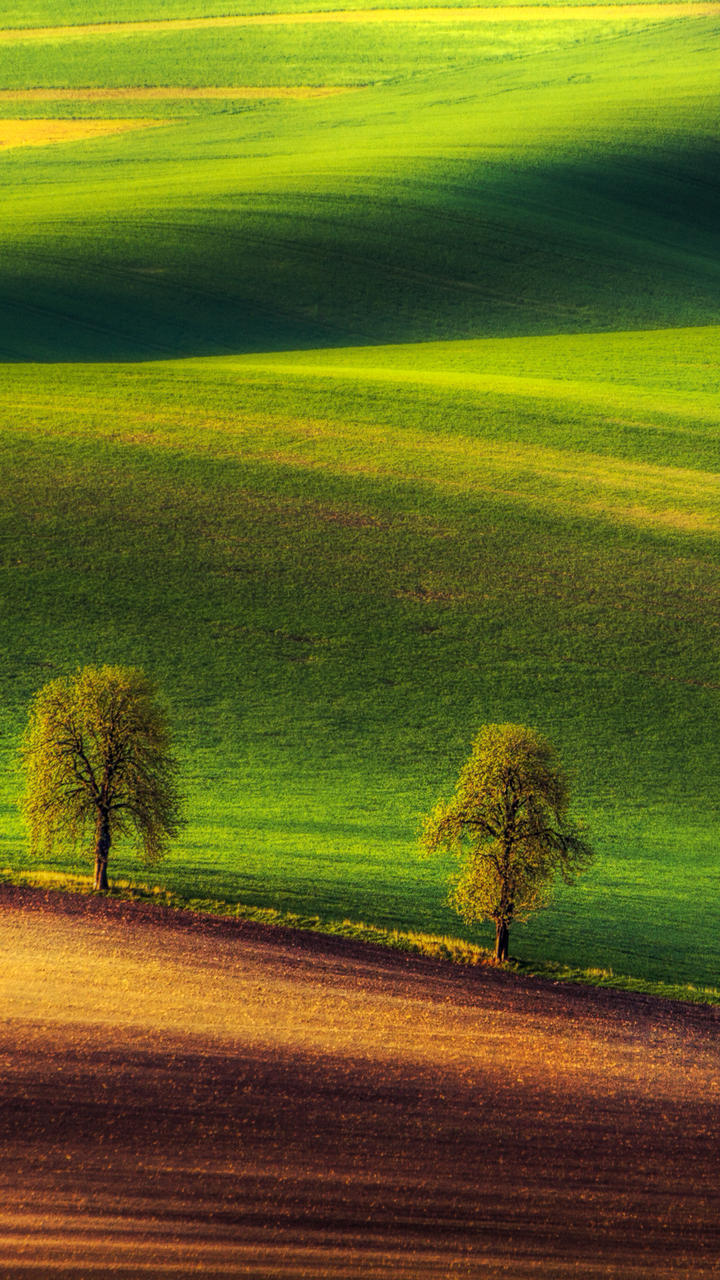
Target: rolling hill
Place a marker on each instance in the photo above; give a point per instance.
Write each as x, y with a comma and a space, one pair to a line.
361, 419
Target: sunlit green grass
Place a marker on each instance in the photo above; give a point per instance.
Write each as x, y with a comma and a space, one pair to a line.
367, 52
35, 13
336, 579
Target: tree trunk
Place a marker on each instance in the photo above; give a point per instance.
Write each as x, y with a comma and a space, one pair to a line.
501, 941
102, 849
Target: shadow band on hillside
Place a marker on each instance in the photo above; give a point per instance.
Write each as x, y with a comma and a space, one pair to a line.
613, 241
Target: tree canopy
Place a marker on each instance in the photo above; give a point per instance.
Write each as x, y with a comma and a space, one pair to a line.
508, 824
99, 766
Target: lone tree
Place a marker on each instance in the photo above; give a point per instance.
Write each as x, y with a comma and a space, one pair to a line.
98, 764
508, 824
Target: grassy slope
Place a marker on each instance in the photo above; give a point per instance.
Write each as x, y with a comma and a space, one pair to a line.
330, 223
340, 547
338, 562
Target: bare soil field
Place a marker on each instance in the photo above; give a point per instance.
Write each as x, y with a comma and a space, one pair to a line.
644, 10
186, 1095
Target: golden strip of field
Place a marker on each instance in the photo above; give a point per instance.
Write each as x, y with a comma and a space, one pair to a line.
487, 13
242, 986
40, 133
167, 93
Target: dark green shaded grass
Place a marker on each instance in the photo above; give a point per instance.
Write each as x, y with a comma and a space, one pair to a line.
292, 269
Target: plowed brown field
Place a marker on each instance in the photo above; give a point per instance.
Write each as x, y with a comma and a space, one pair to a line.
188, 1096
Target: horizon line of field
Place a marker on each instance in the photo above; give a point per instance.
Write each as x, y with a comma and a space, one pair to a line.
636, 9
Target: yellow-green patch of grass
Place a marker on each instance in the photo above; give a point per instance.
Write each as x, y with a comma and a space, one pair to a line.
561, 480
41, 133
555, 479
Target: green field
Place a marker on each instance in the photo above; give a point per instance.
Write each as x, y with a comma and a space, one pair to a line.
360, 421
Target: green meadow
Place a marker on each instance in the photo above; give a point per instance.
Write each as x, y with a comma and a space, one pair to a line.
360, 421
